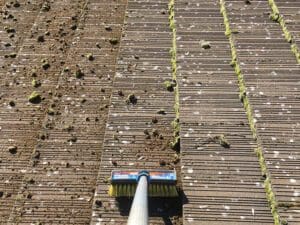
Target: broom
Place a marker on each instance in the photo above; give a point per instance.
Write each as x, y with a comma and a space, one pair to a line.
141, 184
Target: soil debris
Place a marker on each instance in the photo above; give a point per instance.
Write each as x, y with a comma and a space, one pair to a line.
205, 44
12, 103
113, 41
131, 99
221, 140
45, 64
35, 83
90, 57
162, 162
34, 98
98, 203
154, 120
79, 74
170, 85
46, 7
108, 28
13, 150
41, 38
161, 112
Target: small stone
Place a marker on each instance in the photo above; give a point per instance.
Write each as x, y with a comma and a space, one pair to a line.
79, 74
10, 30
35, 98
35, 83
72, 139
90, 57
46, 7
45, 64
36, 154
13, 55
108, 28
120, 93
73, 27
131, 99
98, 45
155, 133
114, 163
50, 111
41, 38
154, 120
13, 149
98, 203
12, 103
205, 44
16, 4
162, 162
161, 112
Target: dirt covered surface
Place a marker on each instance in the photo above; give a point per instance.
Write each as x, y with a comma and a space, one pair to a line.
57, 65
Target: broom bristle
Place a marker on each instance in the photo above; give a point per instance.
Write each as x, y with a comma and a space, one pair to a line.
155, 190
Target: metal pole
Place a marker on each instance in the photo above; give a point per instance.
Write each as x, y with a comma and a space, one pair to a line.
139, 210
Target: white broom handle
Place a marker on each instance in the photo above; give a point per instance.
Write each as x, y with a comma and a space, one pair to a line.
139, 210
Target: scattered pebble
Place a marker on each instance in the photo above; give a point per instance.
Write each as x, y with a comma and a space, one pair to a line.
35, 98
205, 44
13, 150
131, 99
113, 41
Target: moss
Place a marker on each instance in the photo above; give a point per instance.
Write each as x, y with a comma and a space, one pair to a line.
34, 98
35, 83
113, 41
277, 17
175, 144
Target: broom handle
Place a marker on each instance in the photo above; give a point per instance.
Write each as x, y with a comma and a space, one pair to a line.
139, 210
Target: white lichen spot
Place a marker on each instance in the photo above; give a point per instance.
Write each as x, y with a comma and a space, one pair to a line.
273, 138
227, 207
293, 181
190, 219
190, 170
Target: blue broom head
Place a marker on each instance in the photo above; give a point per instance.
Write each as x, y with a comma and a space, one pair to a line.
162, 183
